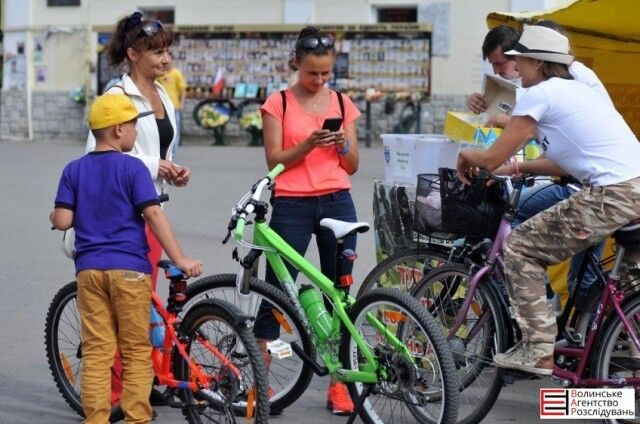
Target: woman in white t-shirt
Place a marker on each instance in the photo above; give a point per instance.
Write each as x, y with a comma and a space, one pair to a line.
582, 135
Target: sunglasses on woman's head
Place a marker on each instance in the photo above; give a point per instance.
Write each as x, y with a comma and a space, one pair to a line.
312, 41
150, 28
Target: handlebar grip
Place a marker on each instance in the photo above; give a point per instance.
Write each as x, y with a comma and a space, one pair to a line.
238, 232
277, 170
170, 270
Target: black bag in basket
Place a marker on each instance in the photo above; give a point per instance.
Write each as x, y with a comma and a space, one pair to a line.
472, 211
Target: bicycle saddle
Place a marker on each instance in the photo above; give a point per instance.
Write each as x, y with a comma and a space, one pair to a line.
342, 229
628, 235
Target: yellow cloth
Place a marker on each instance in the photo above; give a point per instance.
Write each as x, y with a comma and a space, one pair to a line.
558, 273
174, 83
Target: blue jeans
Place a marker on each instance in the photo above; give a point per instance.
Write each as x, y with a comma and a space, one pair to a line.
296, 219
539, 198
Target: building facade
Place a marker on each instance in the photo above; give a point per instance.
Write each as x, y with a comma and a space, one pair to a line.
50, 50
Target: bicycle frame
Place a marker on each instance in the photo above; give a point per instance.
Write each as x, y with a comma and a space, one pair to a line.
162, 366
610, 295
267, 240
276, 249
494, 258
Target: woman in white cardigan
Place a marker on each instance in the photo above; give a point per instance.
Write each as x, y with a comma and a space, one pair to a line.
142, 47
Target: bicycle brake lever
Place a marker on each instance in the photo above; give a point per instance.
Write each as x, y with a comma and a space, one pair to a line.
234, 255
230, 227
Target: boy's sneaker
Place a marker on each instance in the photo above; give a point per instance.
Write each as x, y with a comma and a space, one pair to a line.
338, 399
536, 358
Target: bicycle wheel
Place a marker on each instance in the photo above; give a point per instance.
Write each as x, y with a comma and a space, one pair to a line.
422, 388
403, 269
227, 353
482, 334
63, 343
615, 354
288, 377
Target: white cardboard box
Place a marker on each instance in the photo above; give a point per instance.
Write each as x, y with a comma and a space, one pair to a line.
407, 155
499, 94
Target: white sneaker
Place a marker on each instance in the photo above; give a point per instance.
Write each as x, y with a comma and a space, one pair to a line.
536, 358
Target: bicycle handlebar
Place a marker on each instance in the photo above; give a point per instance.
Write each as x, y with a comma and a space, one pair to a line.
244, 207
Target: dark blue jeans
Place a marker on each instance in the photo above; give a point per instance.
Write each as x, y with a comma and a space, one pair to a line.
539, 198
296, 219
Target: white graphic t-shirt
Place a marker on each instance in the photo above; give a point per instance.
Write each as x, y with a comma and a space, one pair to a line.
581, 131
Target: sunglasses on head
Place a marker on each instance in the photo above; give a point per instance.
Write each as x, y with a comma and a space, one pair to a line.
150, 28
313, 41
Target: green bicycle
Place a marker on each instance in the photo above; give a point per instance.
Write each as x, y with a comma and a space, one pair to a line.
386, 347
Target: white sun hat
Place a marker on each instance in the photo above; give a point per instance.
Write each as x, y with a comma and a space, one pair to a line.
542, 43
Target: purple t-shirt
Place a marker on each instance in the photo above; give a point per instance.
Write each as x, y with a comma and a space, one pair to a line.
107, 191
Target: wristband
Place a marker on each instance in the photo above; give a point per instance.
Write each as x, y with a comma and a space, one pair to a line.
346, 147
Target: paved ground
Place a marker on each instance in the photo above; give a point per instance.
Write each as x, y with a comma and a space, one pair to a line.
34, 269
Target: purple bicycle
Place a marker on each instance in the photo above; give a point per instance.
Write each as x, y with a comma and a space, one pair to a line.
470, 302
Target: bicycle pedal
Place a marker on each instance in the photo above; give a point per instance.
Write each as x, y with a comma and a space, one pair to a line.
279, 349
174, 403
511, 376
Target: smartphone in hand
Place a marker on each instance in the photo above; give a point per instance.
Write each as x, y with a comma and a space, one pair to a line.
332, 124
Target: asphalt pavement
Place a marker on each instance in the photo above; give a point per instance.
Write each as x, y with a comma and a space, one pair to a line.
34, 268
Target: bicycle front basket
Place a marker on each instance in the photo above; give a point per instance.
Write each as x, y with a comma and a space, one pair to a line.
472, 211
427, 211
427, 219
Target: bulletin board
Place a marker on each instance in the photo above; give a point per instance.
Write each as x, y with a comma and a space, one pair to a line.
387, 57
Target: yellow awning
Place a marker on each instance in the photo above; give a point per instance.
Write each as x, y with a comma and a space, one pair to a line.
605, 36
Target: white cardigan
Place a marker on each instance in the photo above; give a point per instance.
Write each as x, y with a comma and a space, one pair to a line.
147, 145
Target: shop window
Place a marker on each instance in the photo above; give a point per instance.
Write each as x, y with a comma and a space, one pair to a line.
63, 3
397, 14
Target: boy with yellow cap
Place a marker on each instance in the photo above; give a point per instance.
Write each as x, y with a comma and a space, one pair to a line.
106, 196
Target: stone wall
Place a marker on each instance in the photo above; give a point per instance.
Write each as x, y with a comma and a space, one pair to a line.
57, 117
13, 114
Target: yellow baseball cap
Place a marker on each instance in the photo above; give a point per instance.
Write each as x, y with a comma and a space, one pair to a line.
112, 109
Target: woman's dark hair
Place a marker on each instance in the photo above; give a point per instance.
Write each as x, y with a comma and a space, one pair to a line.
129, 33
502, 36
553, 69
313, 41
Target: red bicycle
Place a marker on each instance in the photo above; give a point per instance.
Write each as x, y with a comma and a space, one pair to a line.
209, 361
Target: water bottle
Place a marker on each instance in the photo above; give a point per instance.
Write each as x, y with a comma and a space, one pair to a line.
156, 328
312, 303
